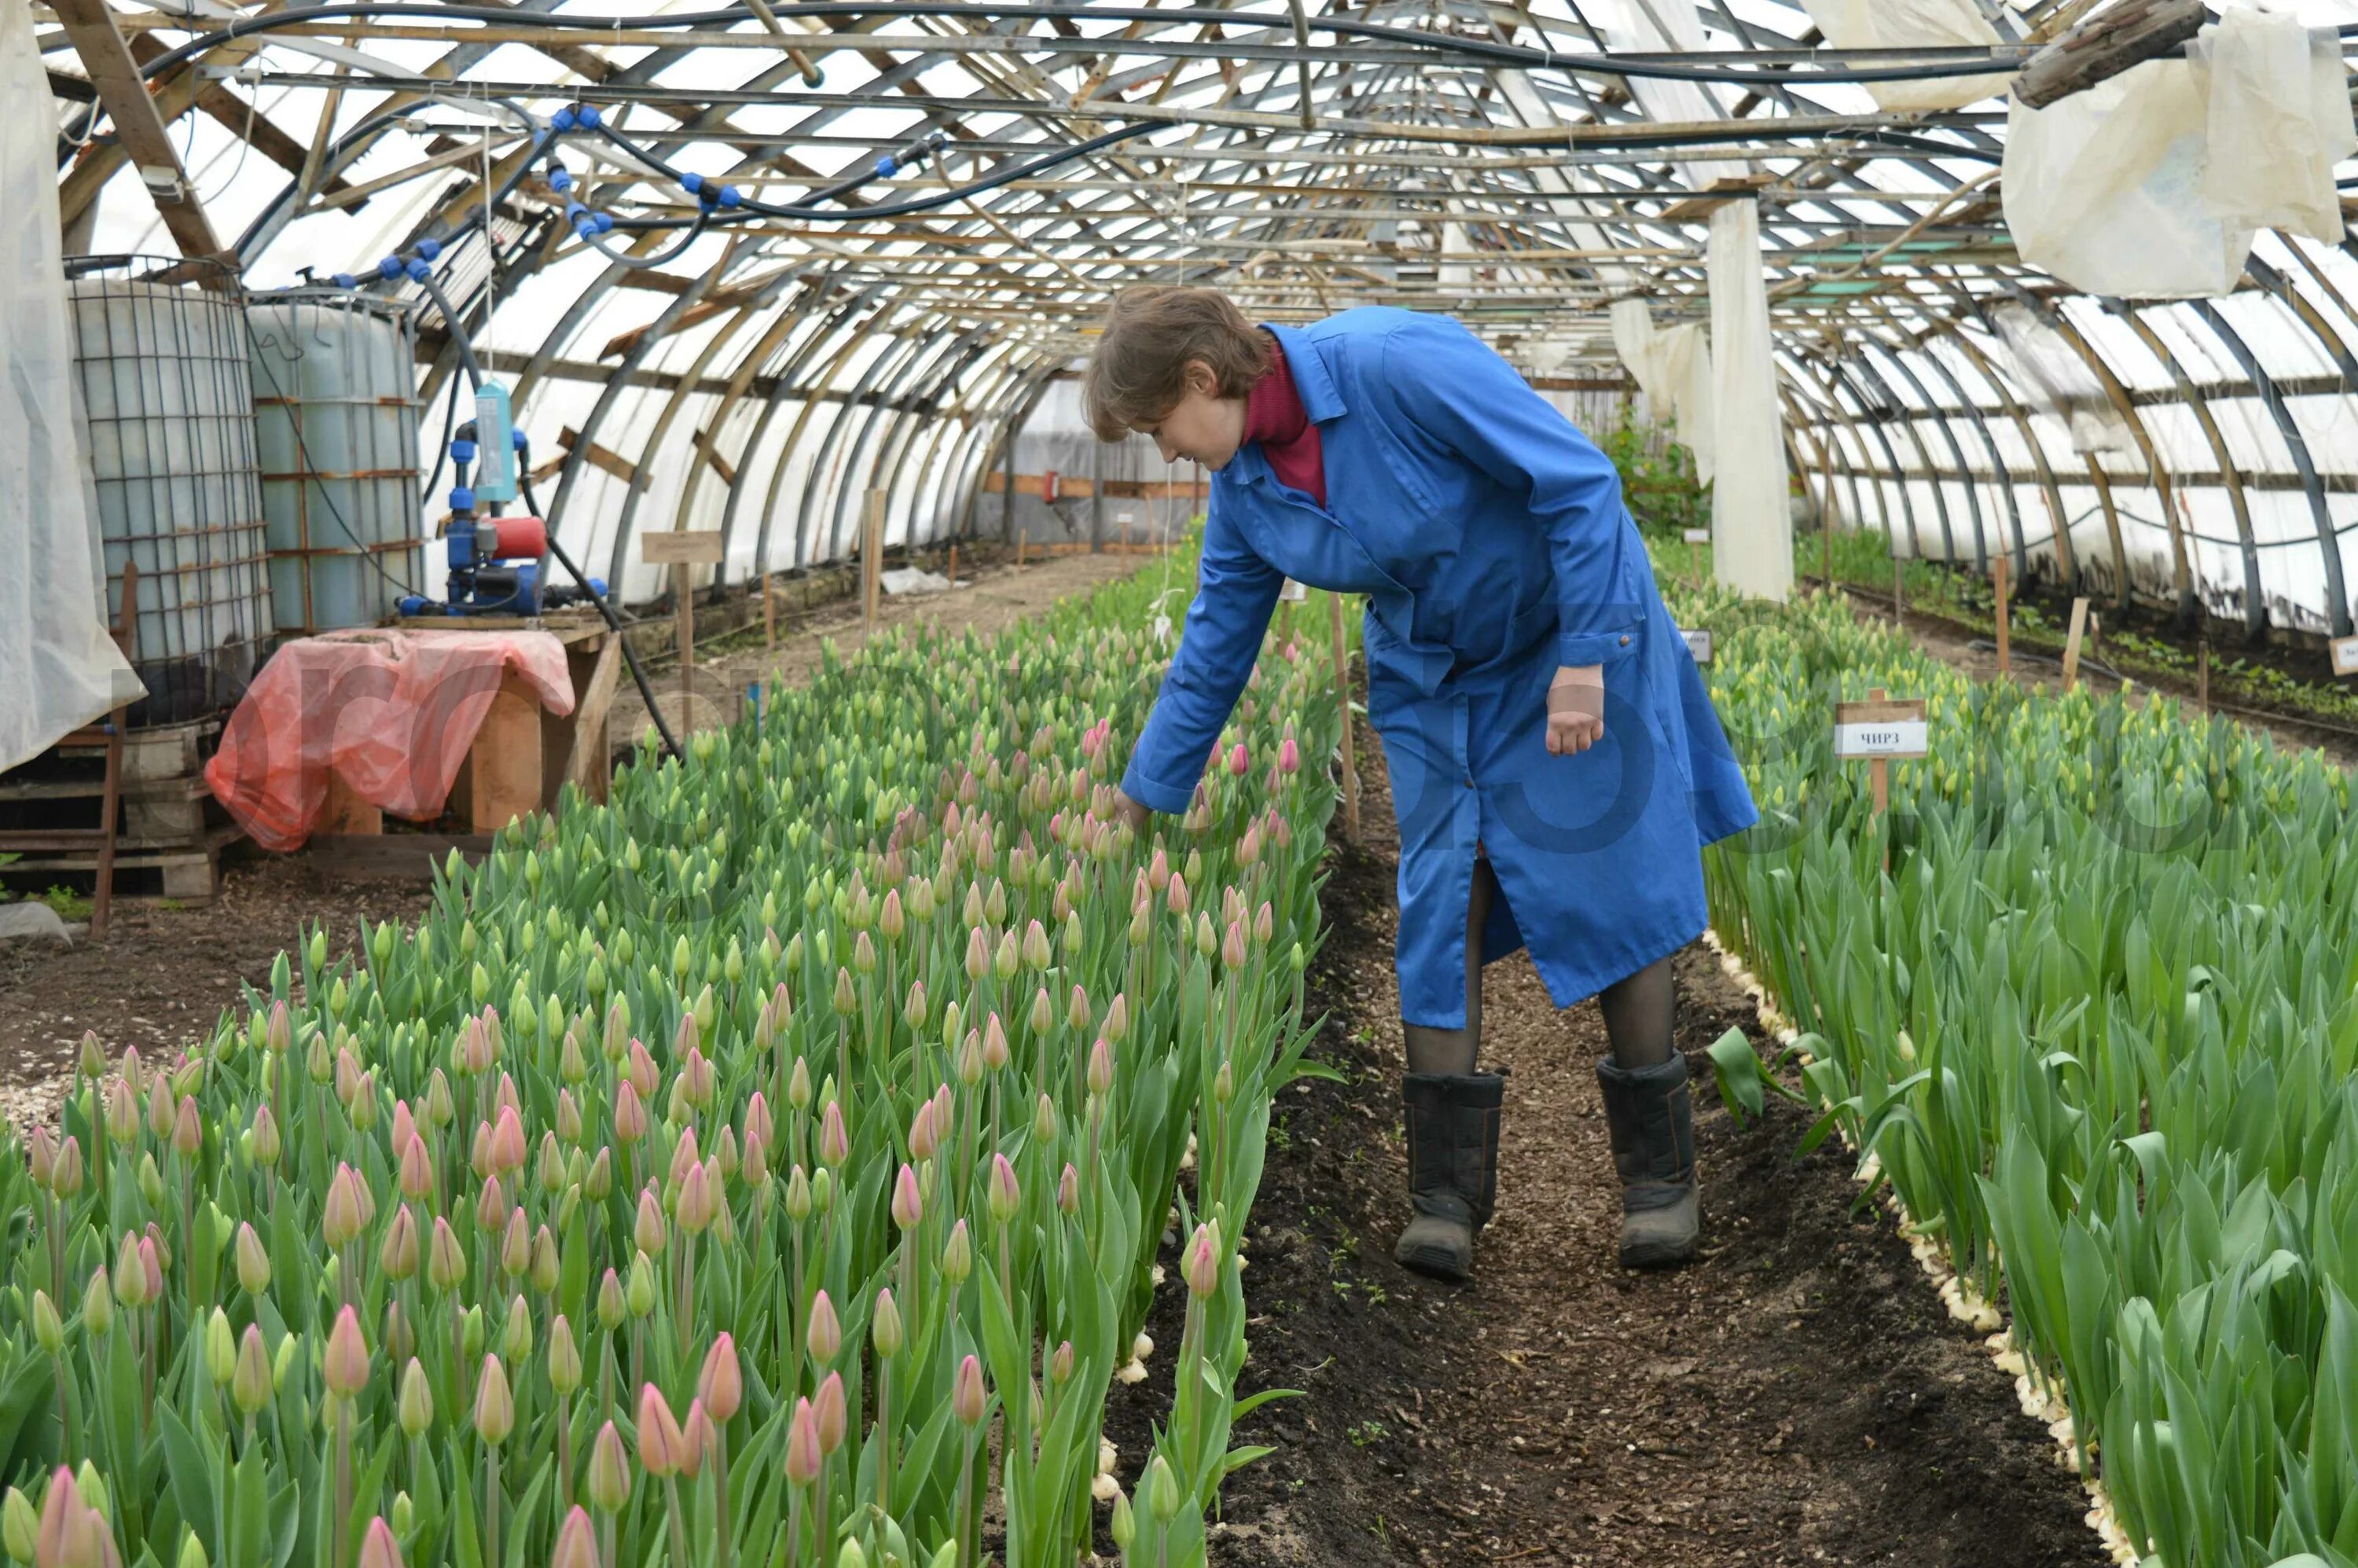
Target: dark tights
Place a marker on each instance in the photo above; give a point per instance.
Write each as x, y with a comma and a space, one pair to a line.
1639, 1011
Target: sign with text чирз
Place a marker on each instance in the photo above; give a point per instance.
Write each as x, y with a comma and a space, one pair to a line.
1884, 729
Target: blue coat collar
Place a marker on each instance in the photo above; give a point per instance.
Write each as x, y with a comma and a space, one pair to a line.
1320, 399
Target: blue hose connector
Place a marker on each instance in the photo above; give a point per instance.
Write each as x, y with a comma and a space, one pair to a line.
587, 115
429, 249
346, 280
388, 268
885, 168
463, 499
605, 222
418, 271
730, 196
562, 121
691, 182
560, 178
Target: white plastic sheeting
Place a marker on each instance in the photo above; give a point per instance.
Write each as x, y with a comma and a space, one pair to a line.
2279, 107
1751, 521
1673, 369
58, 668
1648, 27
1912, 24
2152, 185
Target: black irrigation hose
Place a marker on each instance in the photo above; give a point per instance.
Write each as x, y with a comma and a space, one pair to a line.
1655, 66
614, 623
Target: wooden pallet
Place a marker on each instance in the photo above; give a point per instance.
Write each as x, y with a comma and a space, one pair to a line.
170, 832
186, 873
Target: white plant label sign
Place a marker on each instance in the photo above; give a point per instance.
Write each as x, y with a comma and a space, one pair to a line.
2345, 655
1865, 730
1698, 535
1698, 644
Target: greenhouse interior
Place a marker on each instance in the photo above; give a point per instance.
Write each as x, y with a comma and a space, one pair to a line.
914, 783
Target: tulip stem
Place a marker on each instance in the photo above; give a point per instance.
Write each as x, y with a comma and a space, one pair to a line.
965, 1524
678, 1529
491, 1504
342, 1522
564, 1454
725, 1556
884, 1435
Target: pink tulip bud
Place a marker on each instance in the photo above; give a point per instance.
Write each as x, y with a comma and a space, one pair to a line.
1175, 899
663, 1447
967, 1401
577, 1543
1239, 763
398, 1257
757, 1118
1289, 755
1005, 1195
805, 1458
492, 1206
405, 1126
995, 1053
446, 1261
65, 1176
346, 1371
609, 1471
834, 1138
340, 1213
698, 1206
188, 1131
922, 1142
1264, 923
825, 1335
697, 1439
479, 1154
630, 1114
908, 1207
832, 1416
1201, 1265
650, 1233
697, 1075
508, 1148
380, 1550
1068, 1191
642, 1070
515, 1244
685, 1157
1101, 1068
721, 1384
1232, 946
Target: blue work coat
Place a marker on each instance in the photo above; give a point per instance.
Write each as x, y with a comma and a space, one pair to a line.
1491, 540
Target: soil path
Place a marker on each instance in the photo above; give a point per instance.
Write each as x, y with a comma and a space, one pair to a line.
166, 972
1797, 1396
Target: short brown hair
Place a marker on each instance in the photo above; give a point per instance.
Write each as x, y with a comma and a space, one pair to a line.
1138, 371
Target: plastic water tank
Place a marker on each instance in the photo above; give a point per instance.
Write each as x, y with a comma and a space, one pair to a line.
335, 412
159, 350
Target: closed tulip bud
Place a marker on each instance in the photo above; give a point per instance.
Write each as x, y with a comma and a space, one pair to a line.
1008, 958
1068, 1192
834, 1137
685, 1157
630, 1114
546, 1266
640, 1293
1289, 755
319, 1064
663, 1447
1176, 898
515, 1244
98, 1304
121, 1113
698, 1202
48, 1330
922, 1142
957, 1255
967, 1401
1239, 762
1201, 1265
1232, 946
1117, 1019
577, 1543
805, 1458
130, 1276
1044, 1120
441, 1109
1060, 1365
1036, 952
221, 1348
649, 1233
828, 1407
698, 1074
1101, 1068
249, 1379
151, 1266
1224, 1085
446, 1260
20, 1527
1162, 1490
969, 1059
63, 1536
66, 1176
846, 1001
598, 1182
853, 1555
1043, 1013
253, 1261
908, 1207
884, 1327
1125, 1524
339, 1215
699, 1440
994, 1044
1005, 1195
416, 1169
398, 1256
799, 1086
346, 1369
494, 1406
611, 1307
609, 1471
515, 1333
415, 1408
721, 1384
347, 1075
798, 1195
160, 1110
364, 1107
825, 1335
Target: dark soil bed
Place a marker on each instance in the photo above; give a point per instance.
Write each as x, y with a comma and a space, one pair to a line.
1797, 1396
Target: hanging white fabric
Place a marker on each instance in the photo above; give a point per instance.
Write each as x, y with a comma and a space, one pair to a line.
58, 668
2280, 120
1751, 510
1912, 24
2056, 380
1673, 369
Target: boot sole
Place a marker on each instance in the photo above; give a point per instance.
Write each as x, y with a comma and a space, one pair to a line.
1434, 1263
1658, 1256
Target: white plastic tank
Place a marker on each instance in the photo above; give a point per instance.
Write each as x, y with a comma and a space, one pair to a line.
335, 414
160, 355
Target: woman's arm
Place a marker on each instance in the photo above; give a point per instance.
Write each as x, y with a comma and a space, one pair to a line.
1235, 591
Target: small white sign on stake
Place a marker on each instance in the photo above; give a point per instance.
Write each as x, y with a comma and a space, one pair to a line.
1293, 592
1882, 730
1698, 535
2345, 655
1698, 643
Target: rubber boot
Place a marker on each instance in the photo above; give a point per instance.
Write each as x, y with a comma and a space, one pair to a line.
1452, 1168
1650, 1118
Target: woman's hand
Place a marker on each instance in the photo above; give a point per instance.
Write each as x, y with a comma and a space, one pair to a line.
1575, 702
1131, 811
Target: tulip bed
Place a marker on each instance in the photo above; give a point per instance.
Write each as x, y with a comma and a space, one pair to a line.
766, 1167
2096, 1028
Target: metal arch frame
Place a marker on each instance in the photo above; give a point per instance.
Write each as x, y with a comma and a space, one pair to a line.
1850, 468
2231, 476
829, 474
1838, 384
2288, 429
923, 357
2066, 563
1934, 413
2336, 349
1890, 460
903, 437
2004, 476
862, 324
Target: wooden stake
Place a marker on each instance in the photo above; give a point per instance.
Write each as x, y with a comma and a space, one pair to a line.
953, 563
1343, 699
769, 614
2071, 643
1898, 584
2202, 676
1878, 777
1022, 538
871, 560
2004, 652
1826, 512
683, 592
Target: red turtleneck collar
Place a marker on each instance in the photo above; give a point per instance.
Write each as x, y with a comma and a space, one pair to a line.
1276, 419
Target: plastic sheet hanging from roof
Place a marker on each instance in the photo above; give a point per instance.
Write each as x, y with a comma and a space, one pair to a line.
1650, 27
63, 668
2056, 380
1912, 24
1751, 514
2279, 120
1673, 369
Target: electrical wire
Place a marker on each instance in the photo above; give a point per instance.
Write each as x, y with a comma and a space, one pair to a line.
614, 623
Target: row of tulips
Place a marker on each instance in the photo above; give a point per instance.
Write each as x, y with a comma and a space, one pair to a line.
767, 1166
2096, 1025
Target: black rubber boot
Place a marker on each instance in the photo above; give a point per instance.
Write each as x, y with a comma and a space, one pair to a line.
1652, 1121
1452, 1168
